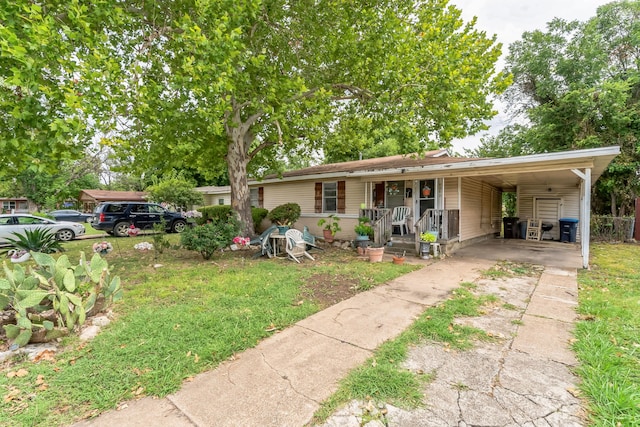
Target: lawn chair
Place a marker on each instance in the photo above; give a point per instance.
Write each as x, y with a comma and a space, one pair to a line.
400, 218
310, 239
296, 246
265, 243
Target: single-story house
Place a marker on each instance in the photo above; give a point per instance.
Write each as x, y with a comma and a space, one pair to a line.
89, 199
17, 205
214, 195
460, 198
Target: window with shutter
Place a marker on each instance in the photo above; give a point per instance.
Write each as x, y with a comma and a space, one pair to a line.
330, 197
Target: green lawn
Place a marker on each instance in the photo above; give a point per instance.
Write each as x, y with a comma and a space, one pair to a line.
608, 336
90, 230
175, 321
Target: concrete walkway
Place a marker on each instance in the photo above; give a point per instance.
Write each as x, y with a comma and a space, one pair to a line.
284, 379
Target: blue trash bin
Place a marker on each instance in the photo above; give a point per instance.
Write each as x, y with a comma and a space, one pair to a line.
568, 228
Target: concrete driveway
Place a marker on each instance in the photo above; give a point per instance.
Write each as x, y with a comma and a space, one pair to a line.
547, 253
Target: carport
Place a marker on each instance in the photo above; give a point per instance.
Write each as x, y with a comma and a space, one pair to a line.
539, 179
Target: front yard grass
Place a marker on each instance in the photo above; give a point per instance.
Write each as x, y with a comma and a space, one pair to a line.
176, 320
608, 335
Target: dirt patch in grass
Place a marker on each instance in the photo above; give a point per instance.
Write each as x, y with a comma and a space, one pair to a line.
327, 290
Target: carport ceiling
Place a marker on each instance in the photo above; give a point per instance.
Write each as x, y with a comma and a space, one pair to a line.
510, 181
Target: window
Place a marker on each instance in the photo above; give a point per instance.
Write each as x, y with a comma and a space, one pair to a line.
330, 197
156, 209
8, 205
257, 197
221, 201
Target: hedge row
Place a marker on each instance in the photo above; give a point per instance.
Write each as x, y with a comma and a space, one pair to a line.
224, 212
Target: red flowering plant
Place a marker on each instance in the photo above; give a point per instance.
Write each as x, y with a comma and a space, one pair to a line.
133, 231
241, 241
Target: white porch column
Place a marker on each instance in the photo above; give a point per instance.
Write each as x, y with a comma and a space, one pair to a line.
585, 214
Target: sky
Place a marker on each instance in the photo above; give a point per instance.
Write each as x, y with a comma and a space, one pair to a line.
508, 19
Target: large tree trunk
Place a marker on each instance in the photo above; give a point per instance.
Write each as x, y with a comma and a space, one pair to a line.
237, 162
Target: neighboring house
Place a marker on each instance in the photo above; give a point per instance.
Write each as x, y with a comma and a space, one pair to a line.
215, 195
16, 205
89, 199
461, 198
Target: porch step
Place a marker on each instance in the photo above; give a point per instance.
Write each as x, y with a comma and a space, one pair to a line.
401, 244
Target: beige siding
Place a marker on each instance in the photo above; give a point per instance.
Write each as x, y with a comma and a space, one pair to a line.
214, 199
480, 210
303, 193
569, 203
451, 193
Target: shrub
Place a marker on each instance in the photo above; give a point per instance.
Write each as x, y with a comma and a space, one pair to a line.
286, 214
210, 237
70, 291
160, 241
37, 240
258, 214
42, 215
215, 213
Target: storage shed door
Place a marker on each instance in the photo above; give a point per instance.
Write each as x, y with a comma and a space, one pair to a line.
549, 210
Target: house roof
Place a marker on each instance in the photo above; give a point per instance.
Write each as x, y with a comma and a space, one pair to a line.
370, 165
107, 195
214, 189
506, 173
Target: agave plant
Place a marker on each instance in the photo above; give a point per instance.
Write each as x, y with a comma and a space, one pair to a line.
38, 240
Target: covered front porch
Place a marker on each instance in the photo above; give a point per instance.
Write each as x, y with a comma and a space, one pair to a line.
444, 222
462, 201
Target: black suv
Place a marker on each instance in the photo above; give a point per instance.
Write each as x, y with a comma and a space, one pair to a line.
116, 217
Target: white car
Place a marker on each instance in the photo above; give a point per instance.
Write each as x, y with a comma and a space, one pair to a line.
17, 223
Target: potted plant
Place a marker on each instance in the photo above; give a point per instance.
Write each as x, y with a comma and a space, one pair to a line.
330, 227
426, 239
375, 253
364, 232
399, 259
284, 216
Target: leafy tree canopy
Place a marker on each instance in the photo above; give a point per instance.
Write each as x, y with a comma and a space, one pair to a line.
174, 189
209, 84
578, 86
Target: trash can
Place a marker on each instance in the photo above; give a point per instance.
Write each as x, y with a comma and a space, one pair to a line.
568, 228
510, 227
523, 229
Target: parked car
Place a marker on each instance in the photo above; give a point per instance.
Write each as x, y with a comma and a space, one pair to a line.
17, 223
117, 217
70, 215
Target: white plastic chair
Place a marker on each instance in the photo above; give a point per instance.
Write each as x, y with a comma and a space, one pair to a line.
400, 217
296, 245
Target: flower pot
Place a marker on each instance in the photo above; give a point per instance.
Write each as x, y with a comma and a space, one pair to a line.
375, 254
22, 258
361, 250
328, 236
424, 249
282, 229
398, 260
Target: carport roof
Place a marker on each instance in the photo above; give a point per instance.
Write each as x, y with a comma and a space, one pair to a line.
505, 173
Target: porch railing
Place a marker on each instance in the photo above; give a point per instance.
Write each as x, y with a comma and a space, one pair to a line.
380, 219
445, 221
